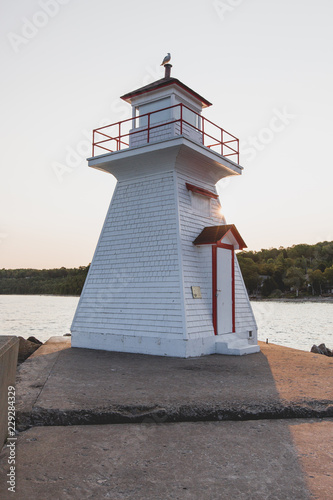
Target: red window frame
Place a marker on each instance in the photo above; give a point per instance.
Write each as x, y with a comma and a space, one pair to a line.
202, 191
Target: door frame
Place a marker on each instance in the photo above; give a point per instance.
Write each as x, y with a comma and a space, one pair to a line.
214, 283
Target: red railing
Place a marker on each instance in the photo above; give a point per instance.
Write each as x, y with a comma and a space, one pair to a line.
201, 130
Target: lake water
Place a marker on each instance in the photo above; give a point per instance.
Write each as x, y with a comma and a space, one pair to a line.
41, 316
297, 325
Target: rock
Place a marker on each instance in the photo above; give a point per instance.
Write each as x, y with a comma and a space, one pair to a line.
326, 350
26, 348
35, 341
316, 349
321, 349
67, 335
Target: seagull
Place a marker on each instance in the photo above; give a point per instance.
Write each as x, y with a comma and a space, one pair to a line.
166, 59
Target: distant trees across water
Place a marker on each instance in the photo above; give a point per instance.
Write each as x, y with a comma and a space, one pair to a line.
43, 281
289, 272
278, 272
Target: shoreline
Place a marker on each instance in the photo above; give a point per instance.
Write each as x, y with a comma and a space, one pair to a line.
322, 300
36, 295
328, 300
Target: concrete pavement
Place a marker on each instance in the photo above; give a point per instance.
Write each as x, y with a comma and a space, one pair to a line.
63, 385
266, 459
211, 427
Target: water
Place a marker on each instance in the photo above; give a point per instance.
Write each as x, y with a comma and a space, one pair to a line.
41, 316
297, 325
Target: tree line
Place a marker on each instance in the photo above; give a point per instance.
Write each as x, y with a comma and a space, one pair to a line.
43, 281
299, 270
276, 272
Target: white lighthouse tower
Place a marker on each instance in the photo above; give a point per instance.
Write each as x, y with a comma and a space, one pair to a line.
164, 279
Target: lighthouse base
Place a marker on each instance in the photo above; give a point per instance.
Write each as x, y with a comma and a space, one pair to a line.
183, 348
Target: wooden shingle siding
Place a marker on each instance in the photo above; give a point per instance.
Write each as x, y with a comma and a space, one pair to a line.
197, 261
245, 320
133, 284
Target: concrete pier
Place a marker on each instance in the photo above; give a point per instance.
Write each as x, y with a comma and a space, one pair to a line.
215, 427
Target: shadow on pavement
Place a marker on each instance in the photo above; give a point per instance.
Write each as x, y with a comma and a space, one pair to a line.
201, 428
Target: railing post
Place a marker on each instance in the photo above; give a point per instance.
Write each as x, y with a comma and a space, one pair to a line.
203, 130
148, 127
93, 144
238, 151
222, 141
118, 144
181, 119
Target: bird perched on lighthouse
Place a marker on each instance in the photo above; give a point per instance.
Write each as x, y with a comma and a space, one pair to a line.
166, 59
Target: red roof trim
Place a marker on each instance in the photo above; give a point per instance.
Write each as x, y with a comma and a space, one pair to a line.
164, 83
202, 191
212, 235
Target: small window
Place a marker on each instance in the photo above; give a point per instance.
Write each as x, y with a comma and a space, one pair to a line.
200, 203
159, 116
191, 117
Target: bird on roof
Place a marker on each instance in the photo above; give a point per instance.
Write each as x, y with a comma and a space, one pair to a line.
166, 59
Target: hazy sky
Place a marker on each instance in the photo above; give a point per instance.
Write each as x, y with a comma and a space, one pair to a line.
266, 65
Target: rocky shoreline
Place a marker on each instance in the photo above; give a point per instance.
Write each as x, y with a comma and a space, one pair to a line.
322, 349
27, 347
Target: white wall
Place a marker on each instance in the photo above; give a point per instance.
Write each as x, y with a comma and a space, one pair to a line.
197, 261
133, 287
244, 317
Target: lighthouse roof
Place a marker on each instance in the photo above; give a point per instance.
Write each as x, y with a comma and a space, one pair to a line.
165, 82
214, 234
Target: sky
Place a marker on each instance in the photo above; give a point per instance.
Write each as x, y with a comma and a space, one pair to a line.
265, 65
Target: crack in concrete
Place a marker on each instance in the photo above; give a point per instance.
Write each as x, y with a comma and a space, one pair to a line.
133, 414
46, 379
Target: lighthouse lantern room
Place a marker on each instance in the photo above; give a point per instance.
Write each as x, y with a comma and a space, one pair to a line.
164, 279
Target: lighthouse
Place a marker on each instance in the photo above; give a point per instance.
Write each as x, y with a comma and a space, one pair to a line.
164, 279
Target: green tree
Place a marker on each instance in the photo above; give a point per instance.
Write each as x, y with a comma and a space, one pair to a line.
316, 279
295, 277
269, 285
250, 273
43, 281
328, 275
